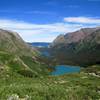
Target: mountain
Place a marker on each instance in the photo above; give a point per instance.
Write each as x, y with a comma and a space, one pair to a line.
23, 74
19, 57
40, 44
79, 48
11, 42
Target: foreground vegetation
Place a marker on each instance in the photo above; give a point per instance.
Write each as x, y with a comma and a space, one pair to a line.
21, 78
77, 86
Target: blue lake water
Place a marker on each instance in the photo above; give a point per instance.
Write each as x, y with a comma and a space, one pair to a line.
64, 69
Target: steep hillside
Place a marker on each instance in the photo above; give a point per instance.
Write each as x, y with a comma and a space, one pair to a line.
81, 47
11, 42
19, 57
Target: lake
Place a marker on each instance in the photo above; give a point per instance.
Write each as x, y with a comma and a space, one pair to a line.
60, 69
64, 69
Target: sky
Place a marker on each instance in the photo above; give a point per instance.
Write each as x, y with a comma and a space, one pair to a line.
44, 20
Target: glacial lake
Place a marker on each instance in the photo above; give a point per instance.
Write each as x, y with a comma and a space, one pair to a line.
62, 69
65, 69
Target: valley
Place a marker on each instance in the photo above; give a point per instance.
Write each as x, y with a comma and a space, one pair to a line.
29, 73
49, 50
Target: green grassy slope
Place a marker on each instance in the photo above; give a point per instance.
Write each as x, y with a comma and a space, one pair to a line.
79, 86
18, 56
23, 65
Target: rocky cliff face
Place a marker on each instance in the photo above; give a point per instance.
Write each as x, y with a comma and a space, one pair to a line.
80, 47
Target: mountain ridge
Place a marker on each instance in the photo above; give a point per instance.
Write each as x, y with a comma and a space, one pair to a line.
77, 46
39, 44
19, 56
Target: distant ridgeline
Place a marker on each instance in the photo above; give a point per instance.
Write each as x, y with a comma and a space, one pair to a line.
40, 44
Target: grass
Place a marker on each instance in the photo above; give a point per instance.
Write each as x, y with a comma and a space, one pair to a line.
21, 64
79, 86
18, 81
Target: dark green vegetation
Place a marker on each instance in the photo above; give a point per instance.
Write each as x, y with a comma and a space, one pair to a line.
78, 48
24, 75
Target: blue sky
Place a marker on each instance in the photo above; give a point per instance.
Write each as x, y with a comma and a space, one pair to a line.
43, 20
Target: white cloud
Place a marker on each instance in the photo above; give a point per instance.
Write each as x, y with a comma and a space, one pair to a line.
82, 20
39, 32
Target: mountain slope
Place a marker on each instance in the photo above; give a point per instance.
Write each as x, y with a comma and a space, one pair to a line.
13, 43
19, 57
81, 47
